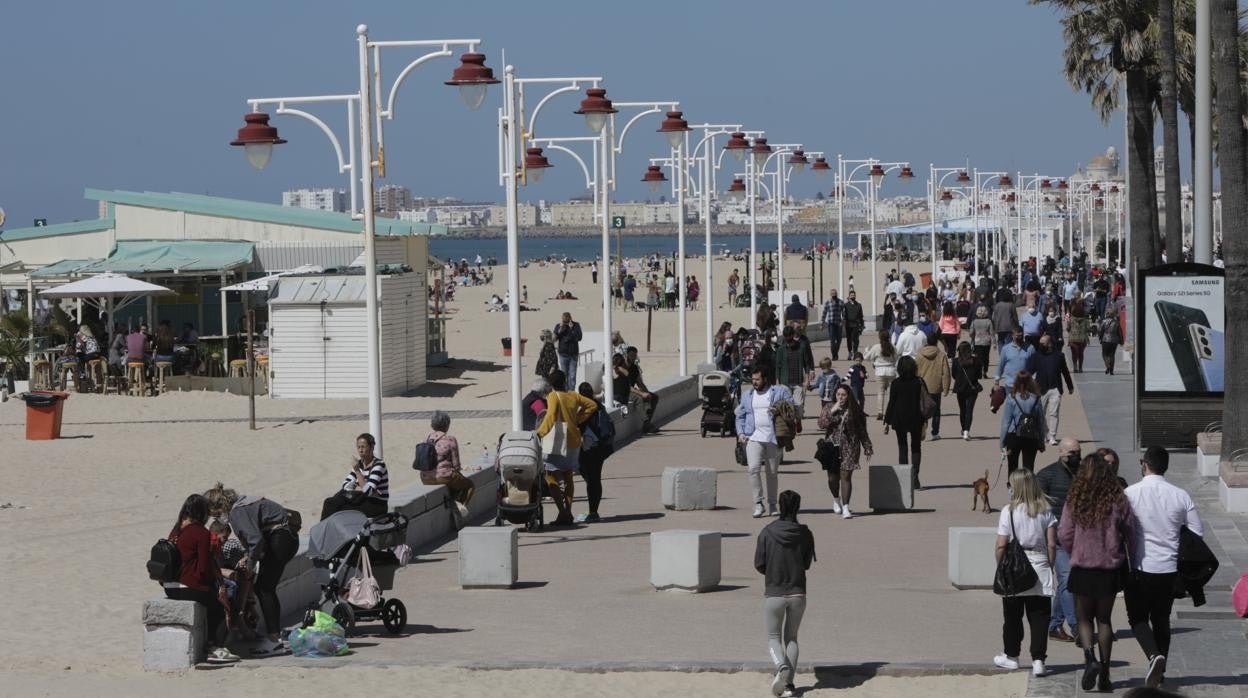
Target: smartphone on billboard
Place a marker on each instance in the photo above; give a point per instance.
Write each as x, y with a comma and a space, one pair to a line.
1209, 344
1176, 321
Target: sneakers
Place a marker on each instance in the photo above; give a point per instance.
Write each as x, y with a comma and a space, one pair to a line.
935, 437
463, 510
789, 691
845, 512
778, 680
1060, 635
222, 655
758, 511
966, 435
773, 511
836, 505
1156, 671
1005, 662
591, 517
1038, 669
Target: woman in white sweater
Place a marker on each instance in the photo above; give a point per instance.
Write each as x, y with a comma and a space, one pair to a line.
883, 357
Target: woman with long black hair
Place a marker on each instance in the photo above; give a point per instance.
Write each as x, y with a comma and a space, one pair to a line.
199, 577
966, 373
784, 552
904, 416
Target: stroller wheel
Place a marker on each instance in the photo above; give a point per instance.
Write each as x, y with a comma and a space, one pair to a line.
343, 615
534, 523
498, 520
704, 431
394, 616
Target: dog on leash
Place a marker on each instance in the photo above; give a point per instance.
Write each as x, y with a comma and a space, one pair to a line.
981, 487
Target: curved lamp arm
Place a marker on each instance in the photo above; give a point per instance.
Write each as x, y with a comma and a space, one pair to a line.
589, 181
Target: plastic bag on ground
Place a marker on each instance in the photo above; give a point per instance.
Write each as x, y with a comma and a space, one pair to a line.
308, 642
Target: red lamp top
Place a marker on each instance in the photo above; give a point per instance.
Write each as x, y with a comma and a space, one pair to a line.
257, 131
1063, 185
1113, 189
963, 177
760, 147
876, 171
946, 195
1096, 186
737, 141
798, 158
906, 173
534, 160
654, 173
1006, 182
737, 186
472, 71
1045, 184
596, 102
675, 122
820, 165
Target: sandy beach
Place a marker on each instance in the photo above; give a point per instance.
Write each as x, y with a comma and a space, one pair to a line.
79, 514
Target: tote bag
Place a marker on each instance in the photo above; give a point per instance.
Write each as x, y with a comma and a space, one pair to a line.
363, 589
555, 442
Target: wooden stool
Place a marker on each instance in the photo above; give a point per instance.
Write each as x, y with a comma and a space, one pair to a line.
69, 369
263, 362
41, 379
164, 369
238, 368
136, 377
97, 372
213, 369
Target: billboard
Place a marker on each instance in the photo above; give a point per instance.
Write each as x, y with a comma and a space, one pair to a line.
1183, 323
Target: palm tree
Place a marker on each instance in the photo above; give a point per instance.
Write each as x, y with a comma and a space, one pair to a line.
1167, 98
1233, 166
1107, 49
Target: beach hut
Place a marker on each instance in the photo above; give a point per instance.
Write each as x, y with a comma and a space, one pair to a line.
317, 342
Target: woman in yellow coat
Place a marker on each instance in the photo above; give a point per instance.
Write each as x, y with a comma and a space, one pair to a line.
572, 410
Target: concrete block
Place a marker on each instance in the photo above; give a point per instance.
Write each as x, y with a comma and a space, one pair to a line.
488, 557
704, 368
684, 560
173, 634
1233, 488
686, 489
890, 488
1208, 453
972, 556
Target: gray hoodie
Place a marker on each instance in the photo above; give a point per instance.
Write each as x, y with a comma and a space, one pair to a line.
250, 517
784, 552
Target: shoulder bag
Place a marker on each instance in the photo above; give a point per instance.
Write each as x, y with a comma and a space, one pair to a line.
927, 405
363, 589
1014, 571
975, 384
555, 442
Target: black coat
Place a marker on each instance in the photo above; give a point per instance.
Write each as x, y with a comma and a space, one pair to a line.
1197, 565
903, 411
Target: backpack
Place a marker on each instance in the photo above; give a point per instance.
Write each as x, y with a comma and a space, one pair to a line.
164, 563
426, 458
1028, 426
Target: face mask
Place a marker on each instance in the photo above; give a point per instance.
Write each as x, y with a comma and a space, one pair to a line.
1052, 317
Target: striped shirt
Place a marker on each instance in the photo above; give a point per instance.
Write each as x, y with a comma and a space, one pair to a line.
376, 480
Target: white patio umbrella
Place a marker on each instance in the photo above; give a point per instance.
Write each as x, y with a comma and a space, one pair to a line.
109, 292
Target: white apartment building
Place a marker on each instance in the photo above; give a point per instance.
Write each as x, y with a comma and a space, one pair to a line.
394, 197
329, 199
526, 215
581, 214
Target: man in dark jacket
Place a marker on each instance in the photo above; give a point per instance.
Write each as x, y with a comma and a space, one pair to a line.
568, 338
1161, 512
793, 366
854, 323
784, 552
1048, 367
1055, 483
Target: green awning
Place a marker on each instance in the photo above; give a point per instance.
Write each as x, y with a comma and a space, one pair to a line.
65, 267
173, 257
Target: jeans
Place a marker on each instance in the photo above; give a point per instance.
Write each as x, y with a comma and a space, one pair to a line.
1037, 610
764, 460
1051, 402
966, 408
1015, 446
1149, 598
1063, 600
281, 546
936, 414
915, 452
567, 364
834, 336
783, 615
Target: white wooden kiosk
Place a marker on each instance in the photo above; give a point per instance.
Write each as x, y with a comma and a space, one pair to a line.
317, 342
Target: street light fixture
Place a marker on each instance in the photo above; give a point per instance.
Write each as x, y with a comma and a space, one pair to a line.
257, 139
877, 176
761, 151
798, 160
535, 164
472, 77
820, 167
736, 190
906, 174
654, 178
737, 145
675, 127
1005, 182
596, 108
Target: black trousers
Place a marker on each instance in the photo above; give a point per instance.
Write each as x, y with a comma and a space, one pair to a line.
913, 453
281, 546
353, 501
981, 352
966, 408
1016, 446
834, 337
1038, 610
936, 414
591, 472
213, 607
1149, 598
851, 341
651, 404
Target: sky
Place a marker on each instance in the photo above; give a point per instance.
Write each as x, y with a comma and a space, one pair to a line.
143, 95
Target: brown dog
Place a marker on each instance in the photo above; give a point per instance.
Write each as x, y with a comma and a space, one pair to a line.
981, 490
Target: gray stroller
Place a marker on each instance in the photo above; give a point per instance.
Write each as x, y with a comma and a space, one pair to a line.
334, 546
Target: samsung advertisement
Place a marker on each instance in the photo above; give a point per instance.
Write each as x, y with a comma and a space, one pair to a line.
1184, 324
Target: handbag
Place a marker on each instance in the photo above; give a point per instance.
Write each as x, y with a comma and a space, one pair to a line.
828, 454
363, 589
975, 384
555, 442
927, 404
1014, 571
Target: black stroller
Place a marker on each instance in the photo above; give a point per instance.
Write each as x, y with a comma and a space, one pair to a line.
335, 544
717, 403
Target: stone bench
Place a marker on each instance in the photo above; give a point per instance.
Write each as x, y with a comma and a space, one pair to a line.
889, 488
173, 633
489, 557
1208, 453
686, 489
972, 556
683, 560
676, 396
1233, 488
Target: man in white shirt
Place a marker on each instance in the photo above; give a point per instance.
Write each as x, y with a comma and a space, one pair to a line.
756, 429
1161, 510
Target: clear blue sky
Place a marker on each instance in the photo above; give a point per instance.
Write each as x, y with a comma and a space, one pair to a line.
145, 95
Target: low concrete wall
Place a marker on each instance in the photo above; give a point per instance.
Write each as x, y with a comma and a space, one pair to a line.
676, 396
1208, 453
1233, 488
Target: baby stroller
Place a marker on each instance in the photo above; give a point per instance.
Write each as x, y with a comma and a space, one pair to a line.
519, 465
716, 392
335, 544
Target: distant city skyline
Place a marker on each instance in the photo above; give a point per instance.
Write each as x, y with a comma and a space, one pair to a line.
130, 99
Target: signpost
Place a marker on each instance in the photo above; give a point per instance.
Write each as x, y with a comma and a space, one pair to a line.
617, 222
41, 222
